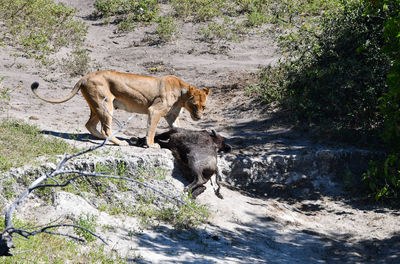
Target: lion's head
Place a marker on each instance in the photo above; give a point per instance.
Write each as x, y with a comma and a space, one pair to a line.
197, 102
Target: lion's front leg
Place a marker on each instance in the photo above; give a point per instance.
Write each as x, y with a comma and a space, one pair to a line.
155, 114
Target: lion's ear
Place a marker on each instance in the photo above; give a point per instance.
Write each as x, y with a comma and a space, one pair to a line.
207, 91
191, 90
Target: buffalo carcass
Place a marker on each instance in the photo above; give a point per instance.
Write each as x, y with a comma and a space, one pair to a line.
196, 152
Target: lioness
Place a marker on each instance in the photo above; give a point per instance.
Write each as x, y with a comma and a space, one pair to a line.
156, 97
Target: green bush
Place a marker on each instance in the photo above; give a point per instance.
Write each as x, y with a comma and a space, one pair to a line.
227, 30
4, 92
40, 27
199, 10
77, 63
256, 18
383, 178
89, 222
127, 13
166, 28
390, 102
343, 74
337, 75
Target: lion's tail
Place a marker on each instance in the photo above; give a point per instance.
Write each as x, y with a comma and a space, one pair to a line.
74, 91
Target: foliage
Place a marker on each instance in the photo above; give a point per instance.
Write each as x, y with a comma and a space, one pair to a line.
21, 143
180, 216
40, 27
46, 248
4, 91
76, 63
343, 73
166, 28
198, 10
383, 178
89, 222
127, 13
338, 73
227, 30
86, 184
390, 102
256, 18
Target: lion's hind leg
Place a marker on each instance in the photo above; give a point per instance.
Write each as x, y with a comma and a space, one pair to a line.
106, 124
91, 125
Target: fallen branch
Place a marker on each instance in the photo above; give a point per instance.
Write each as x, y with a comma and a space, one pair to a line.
6, 242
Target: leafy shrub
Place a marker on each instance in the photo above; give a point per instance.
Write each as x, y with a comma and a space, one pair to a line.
4, 91
89, 222
166, 28
77, 62
390, 102
40, 27
180, 216
337, 75
248, 6
383, 178
344, 73
226, 30
199, 10
256, 18
127, 13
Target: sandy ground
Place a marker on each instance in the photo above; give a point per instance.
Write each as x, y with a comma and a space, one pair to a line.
242, 229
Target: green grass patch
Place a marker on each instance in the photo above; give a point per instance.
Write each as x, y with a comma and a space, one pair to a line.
252, 13
199, 10
40, 27
127, 13
226, 30
4, 92
89, 222
166, 28
45, 248
180, 216
21, 143
76, 63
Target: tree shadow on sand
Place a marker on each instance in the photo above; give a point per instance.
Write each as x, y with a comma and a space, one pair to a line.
265, 241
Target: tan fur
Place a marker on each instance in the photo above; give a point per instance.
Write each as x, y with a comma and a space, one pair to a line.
155, 96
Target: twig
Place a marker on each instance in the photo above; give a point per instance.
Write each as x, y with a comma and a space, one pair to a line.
6, 237
100, 175
82, 195
6, 242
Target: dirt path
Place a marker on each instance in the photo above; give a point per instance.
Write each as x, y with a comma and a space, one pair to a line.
242, 229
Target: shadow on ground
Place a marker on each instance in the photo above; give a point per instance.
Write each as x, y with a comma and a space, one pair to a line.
81, 137
265, 241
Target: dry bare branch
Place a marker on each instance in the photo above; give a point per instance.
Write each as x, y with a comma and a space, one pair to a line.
6, 243
6, 239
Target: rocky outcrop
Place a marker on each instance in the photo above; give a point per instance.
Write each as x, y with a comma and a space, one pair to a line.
322, 168
150, 166
313, 168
